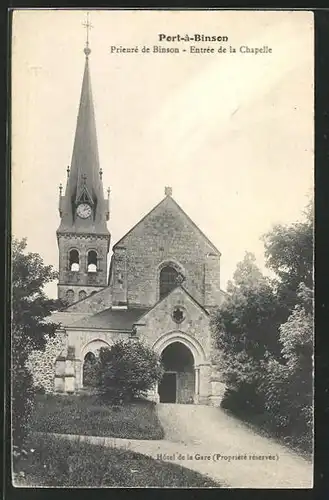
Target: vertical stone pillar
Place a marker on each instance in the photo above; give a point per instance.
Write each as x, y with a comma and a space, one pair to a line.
69, 376
59, 380
153, 394
218, 387
204, 384
70, 370
212, 280
119, 286
197, 384
78, 374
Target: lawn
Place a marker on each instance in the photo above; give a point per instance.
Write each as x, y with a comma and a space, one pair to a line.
88, 415
63, 463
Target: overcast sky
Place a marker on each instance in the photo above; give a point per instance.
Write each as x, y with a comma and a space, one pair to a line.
231, 133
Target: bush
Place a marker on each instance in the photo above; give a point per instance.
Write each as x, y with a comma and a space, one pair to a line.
22, 408
127, 370
244, 401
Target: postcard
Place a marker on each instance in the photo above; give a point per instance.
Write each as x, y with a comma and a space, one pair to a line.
162, 248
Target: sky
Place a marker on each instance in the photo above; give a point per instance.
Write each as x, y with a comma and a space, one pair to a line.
232, 134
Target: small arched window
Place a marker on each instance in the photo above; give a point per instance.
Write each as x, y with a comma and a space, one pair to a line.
82, 295
92, 262
89, 370
70, 296
168, 280
74, 260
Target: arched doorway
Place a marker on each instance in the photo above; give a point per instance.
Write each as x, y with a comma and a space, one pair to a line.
178, 382
89, 370
88, 355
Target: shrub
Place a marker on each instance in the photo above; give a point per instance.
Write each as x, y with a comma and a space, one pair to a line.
29, 331
127, 370
22, 408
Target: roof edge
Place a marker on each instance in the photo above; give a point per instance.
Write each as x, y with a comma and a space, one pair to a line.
118, 243
164, 298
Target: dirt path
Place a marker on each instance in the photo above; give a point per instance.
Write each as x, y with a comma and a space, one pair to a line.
203, 439
211, 432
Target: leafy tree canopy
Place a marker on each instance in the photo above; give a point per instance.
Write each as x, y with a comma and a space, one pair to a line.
289, 253
30, 308
247, 324
30, 305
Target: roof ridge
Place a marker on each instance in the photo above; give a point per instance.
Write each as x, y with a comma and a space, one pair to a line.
182, 211
168, 294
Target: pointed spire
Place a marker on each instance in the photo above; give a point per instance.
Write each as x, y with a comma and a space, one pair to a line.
85, 161
84, 180
88, 26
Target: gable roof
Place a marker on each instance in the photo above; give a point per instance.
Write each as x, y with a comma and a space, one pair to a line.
175, 204
166, 297
112, 319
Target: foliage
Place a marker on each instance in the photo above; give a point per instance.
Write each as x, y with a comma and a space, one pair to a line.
264, 333
246, 325
85, 414
64, 463
30, 307
289, 253
288, 385
127, 370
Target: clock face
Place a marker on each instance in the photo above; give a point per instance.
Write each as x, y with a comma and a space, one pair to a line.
84, 210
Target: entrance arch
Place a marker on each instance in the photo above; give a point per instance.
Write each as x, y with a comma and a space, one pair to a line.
89, 353
178, 382
188, 383
88, 370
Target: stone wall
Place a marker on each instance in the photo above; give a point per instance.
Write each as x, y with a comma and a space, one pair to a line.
159, 321
42, 364
94, 303
166, 235
213, 295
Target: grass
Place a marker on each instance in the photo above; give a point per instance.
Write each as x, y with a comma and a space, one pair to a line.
299, 443
87, 414
63, 463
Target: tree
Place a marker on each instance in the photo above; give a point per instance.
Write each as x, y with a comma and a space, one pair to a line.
246, 331
289, 384
264, 332
127, 370
30, 307
289, 253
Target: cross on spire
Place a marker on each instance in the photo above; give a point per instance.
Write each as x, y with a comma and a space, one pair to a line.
87, 24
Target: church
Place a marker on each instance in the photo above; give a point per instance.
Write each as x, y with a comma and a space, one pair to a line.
162, 281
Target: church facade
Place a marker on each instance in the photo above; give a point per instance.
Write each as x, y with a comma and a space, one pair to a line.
162, 283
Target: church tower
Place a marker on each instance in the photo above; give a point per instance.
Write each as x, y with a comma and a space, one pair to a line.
83, 237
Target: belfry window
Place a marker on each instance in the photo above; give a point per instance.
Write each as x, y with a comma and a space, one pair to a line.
168, 280
74, 261
92, 262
